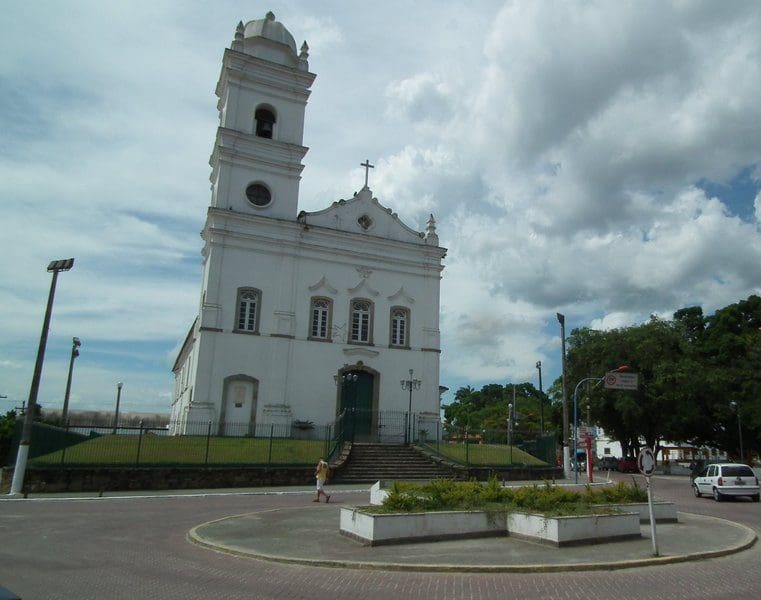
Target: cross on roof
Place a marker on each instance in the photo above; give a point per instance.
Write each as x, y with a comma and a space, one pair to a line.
367, 167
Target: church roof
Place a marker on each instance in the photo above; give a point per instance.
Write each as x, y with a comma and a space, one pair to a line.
270, 29
363, 214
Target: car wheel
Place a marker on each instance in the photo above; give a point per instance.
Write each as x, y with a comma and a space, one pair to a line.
717, 495
696, 490
755, 498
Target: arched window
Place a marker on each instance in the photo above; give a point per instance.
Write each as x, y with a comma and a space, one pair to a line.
361, 321
265, 122
400, 325
248, 310
321, 318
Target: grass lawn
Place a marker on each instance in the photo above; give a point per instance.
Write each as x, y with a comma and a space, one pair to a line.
486, 454
185, 450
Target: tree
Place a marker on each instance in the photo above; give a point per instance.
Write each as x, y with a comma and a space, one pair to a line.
730, 355
487, 408
7, 428
657, 352
691, 370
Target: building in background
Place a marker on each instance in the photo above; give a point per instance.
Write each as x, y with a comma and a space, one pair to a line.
302, 316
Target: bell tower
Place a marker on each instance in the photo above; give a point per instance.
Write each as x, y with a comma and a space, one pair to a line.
263, 90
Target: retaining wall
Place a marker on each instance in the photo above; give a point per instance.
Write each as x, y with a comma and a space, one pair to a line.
155, 478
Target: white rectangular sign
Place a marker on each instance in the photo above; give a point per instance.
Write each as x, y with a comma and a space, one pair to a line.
621, 381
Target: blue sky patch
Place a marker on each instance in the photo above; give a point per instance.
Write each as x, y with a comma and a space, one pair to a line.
738, 193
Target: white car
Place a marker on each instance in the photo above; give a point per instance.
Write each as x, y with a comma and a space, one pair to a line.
726, 479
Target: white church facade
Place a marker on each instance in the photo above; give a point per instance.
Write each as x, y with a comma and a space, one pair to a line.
303, 316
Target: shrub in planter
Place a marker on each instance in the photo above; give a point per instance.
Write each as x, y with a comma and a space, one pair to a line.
548, 499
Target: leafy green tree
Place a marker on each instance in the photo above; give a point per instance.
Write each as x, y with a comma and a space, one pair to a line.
659, 354
730, 355
697, 376
7, 427
487, 408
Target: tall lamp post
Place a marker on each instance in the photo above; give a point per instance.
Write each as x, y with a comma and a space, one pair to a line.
410, 384
510, 430
118, 398
541, 398
597, 380
736, 408
75, 344
566, 454
19, 470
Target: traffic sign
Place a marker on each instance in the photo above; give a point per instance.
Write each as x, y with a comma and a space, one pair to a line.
646, 462
620, 381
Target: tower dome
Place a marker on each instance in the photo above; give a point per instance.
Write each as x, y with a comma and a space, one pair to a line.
268, 38
270, 29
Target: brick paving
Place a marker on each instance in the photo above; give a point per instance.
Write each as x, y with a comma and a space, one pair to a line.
137, 548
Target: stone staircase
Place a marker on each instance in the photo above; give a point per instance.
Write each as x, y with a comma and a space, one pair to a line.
368, 463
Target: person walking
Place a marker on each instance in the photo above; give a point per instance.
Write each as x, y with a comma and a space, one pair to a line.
321, 473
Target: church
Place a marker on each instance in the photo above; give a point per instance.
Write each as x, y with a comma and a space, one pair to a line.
303, 317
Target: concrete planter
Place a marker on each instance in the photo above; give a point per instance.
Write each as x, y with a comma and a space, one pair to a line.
374, 529
573, 530
378, 493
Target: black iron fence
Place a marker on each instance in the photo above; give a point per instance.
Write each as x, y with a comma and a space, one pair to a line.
263, 445
297, 443
493, 447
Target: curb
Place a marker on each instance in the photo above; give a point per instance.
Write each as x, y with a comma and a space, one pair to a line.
748, 542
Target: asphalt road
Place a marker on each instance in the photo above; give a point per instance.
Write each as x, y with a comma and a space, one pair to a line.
137, 548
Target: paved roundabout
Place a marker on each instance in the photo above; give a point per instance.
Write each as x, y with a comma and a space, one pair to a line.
310, 536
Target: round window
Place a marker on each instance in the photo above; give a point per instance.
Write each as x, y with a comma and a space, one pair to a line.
258, 195
365, 222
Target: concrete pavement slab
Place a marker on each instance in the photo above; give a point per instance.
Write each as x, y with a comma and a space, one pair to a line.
310, 535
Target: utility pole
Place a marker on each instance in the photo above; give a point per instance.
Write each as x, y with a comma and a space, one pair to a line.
566, 452
19, 470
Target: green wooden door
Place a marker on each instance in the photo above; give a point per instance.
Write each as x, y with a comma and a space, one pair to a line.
357, 402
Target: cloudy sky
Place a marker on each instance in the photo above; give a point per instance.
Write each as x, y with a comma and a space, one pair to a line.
599, 159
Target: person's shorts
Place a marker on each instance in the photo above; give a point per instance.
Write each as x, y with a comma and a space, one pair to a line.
320, 483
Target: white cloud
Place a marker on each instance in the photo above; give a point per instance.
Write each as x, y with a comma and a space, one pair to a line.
558, 144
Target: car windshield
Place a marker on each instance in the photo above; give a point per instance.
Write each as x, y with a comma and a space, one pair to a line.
741, 471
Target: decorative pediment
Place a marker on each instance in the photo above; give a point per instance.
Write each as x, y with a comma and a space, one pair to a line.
363, 285
401, 295
323, 284
362, 214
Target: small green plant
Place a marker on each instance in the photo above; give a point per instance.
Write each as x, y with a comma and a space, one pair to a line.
620, 493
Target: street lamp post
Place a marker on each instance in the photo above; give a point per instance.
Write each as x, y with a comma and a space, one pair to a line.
75, 344
118, 398
597, 380
510, 431
566, 457
736, 408
541, 398
19, 470
410, 384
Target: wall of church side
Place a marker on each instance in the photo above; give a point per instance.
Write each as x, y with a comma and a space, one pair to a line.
287, 265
